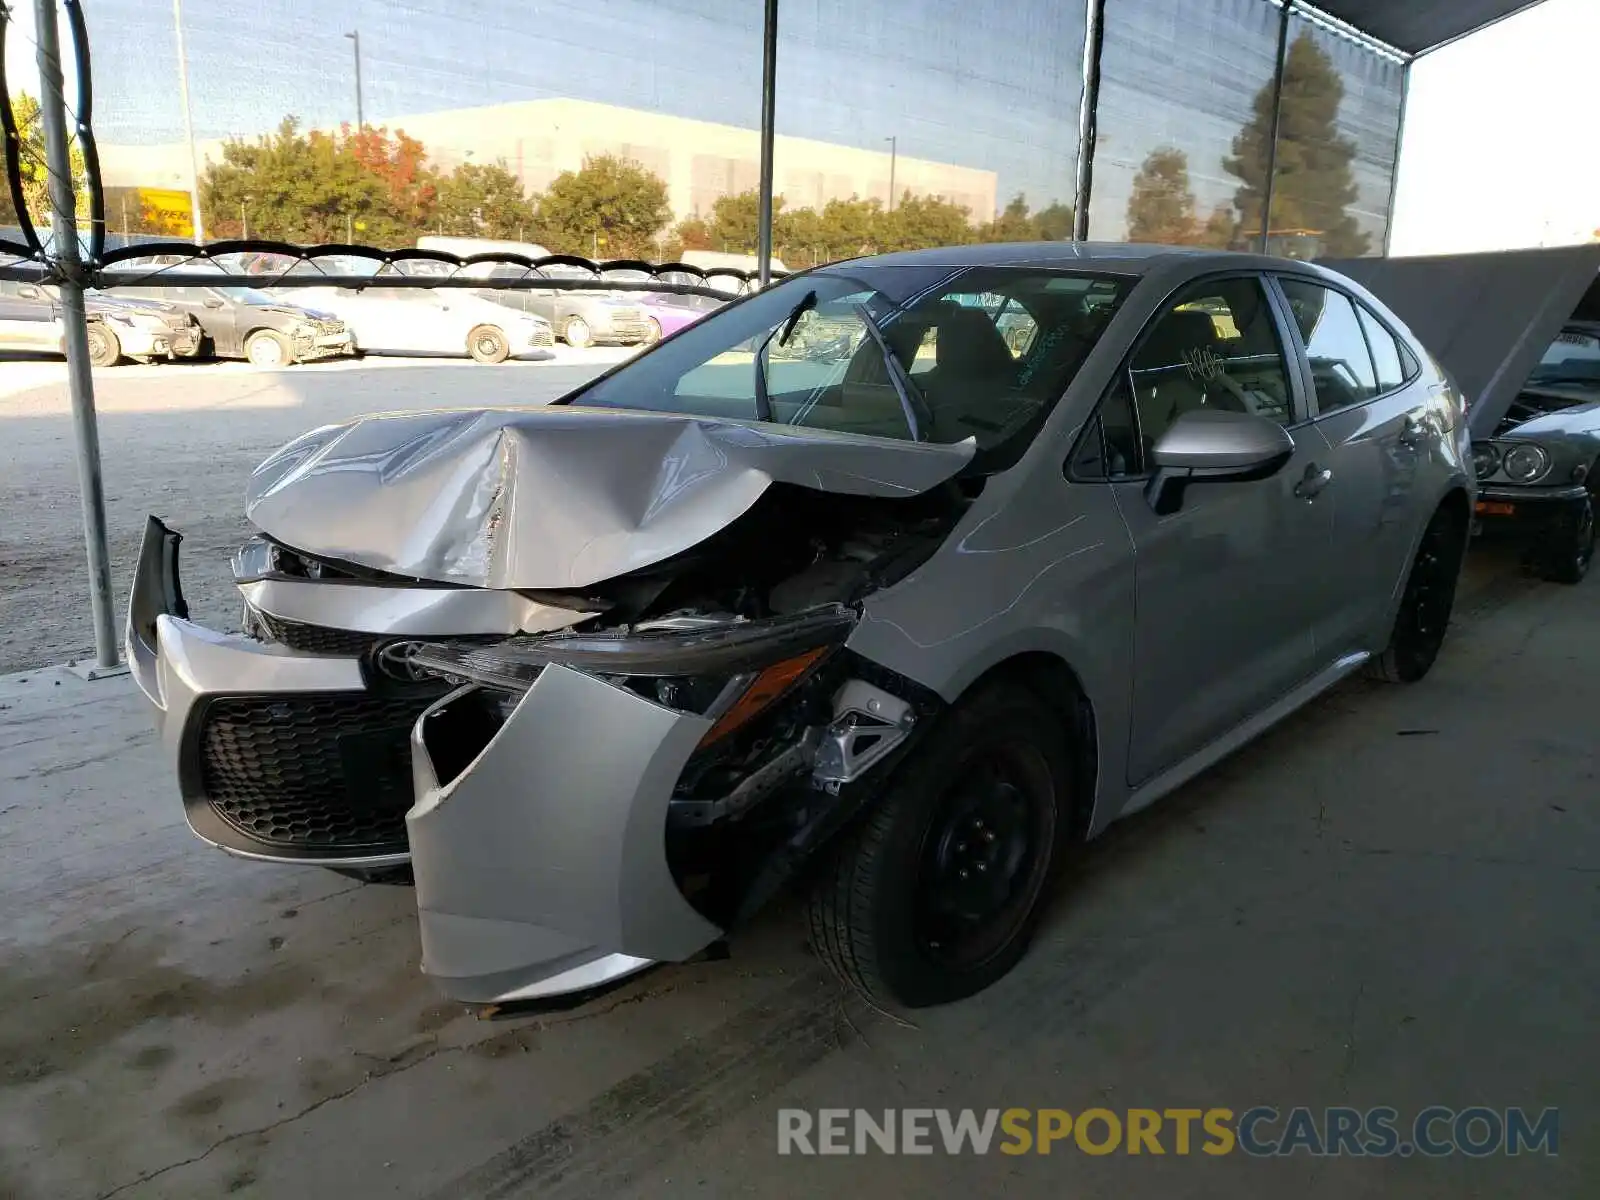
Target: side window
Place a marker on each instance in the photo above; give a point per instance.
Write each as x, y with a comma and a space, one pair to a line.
1385, 351
1109, 448
1341, 364
1216, 346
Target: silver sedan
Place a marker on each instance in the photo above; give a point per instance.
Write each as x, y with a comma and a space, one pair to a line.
912, 569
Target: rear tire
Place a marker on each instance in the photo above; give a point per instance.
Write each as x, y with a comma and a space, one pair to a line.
488, 344
935, 895
104, 348
1426, 604
268, 348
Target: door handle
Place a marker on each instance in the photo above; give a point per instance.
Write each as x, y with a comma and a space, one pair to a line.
1313, 481
1411, 431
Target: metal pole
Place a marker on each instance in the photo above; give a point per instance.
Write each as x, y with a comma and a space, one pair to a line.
769, 75
894, 153
244, 222
1399, 141
361, 120
64, 248
188, 126
1277, 119
1088, 116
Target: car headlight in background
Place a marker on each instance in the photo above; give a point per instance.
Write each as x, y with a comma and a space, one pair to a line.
1525, 462
1485, 459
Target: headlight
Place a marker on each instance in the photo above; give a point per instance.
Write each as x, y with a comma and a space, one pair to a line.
303, 329
1525, 462
1485, 459
726, 671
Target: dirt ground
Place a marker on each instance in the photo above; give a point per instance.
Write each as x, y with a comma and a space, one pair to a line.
180, 441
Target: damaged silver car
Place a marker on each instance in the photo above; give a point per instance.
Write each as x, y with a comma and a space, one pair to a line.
905, 620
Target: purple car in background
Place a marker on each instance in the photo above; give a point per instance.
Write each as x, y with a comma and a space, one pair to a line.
666, 313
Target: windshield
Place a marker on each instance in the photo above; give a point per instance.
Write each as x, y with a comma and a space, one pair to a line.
1572, 363
246, 295
984, 352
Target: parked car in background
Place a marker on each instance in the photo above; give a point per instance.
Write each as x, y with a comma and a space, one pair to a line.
609, 673
1539, 474
411, 320
579, 318
667, 312
240, 321
30, 319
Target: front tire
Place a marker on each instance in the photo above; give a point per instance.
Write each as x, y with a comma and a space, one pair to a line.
268, 348
577, 334
934, 897
487, 344
1564, 557
104, 348
1426, 603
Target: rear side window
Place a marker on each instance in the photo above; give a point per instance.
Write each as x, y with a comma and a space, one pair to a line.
1341, 363
1386, 352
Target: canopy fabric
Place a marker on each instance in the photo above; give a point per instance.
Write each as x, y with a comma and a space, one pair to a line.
1417, 26
1487, 318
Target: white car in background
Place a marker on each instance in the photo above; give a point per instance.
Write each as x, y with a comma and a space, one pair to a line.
408, 320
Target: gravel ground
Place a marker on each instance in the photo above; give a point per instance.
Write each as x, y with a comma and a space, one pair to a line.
180, 441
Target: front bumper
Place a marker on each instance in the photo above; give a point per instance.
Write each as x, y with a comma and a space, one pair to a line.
281, 756
1505, 510
541, 866
308, 349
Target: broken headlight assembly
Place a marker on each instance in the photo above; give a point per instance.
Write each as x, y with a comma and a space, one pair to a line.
724, 669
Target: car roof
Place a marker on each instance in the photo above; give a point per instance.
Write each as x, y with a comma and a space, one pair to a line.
1125, 258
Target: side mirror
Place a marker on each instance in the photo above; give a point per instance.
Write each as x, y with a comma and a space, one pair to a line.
1214, 446
213, 302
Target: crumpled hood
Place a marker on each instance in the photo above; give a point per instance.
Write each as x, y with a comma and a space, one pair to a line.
557, 497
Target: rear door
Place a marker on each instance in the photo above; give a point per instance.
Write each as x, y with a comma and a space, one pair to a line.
27, 317
1372, 407
1231, 587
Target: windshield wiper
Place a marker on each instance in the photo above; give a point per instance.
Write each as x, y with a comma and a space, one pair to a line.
782, 331
915, 409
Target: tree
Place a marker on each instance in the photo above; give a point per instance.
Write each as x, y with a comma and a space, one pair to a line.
692, 233
846, 228
1314, 185
1053, 223
1161, 205
33, 164
735, 221
921, 221
483, 200
612, 207
1014, 224
302, 187
401, 164
1220, 230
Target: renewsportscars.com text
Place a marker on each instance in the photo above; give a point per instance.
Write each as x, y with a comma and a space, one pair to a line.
1261, 1131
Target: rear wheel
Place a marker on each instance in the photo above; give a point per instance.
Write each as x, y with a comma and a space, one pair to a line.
104, 348
268, 348
487, 344
1426, 603
576, 333
935, 896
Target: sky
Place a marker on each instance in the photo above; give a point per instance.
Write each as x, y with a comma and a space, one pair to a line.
1500, 137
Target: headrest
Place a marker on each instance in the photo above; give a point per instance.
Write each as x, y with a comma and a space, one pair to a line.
970, 345
1175, 334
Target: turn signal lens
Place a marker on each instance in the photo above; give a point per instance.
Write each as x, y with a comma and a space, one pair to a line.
763, 692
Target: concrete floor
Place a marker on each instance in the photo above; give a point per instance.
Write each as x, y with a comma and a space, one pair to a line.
1392, 899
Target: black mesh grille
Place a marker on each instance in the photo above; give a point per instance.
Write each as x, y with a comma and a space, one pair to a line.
316, 639
328, 770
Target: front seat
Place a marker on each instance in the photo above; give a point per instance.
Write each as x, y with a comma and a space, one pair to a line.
973, 367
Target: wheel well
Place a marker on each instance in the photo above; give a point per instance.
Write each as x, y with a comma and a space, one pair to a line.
1055, 682
1455, 501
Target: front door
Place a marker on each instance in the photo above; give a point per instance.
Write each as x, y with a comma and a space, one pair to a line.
1373, 409
27, 317
1229, 588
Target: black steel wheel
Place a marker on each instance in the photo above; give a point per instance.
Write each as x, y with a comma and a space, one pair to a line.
1425, 605
934, 896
